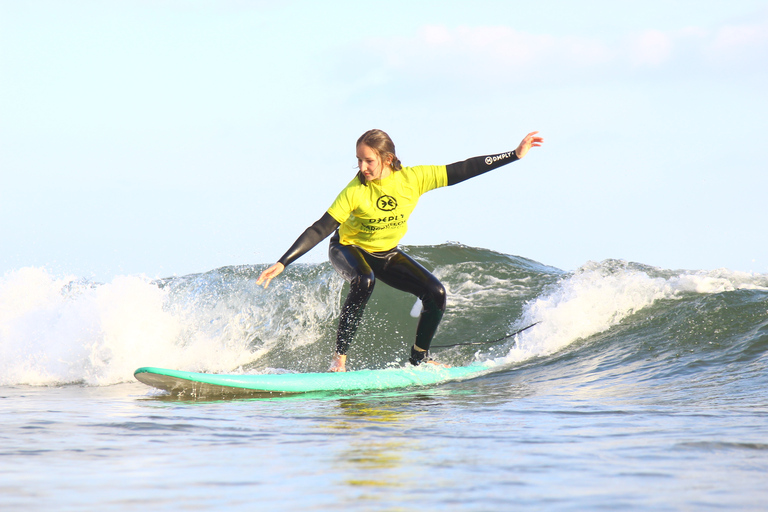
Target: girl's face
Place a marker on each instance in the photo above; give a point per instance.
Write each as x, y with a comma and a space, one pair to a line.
370, 164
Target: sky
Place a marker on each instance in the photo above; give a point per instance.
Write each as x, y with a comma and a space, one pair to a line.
170, 137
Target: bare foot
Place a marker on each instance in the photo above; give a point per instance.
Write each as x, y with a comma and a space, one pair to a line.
431, 361
339, 363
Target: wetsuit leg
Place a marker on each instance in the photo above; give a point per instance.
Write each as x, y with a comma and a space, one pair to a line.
349, 261
402, 272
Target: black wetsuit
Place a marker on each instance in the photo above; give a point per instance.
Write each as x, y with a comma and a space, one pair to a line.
361, 268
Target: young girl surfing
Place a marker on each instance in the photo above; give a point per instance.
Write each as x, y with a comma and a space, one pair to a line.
369, 218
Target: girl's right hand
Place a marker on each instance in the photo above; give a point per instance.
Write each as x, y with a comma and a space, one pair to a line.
268, 275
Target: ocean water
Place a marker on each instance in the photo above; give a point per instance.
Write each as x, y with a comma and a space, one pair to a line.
639, 388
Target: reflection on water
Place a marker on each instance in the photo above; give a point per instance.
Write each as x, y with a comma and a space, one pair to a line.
376, 451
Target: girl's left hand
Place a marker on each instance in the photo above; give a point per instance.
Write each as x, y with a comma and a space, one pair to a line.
530, 141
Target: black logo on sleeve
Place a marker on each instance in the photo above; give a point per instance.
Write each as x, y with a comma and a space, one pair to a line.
386, 203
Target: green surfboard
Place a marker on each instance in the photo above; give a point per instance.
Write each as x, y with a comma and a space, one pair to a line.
211, 384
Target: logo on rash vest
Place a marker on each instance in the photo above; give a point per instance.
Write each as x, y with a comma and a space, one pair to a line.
492, 159
386, 203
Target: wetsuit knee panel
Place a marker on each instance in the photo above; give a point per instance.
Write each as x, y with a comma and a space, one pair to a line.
436, 296
363, 283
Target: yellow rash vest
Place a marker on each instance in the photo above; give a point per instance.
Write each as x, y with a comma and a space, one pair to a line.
374, 215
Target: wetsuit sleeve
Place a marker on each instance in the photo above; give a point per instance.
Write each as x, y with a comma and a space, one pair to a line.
461, 171
311, 236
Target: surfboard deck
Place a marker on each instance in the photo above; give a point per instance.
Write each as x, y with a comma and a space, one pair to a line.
211, 384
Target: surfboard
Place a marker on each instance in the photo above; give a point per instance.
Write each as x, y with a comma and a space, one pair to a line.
211, 384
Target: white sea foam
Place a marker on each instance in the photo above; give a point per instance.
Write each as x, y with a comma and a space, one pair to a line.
61, 330
600, 295
56, 330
